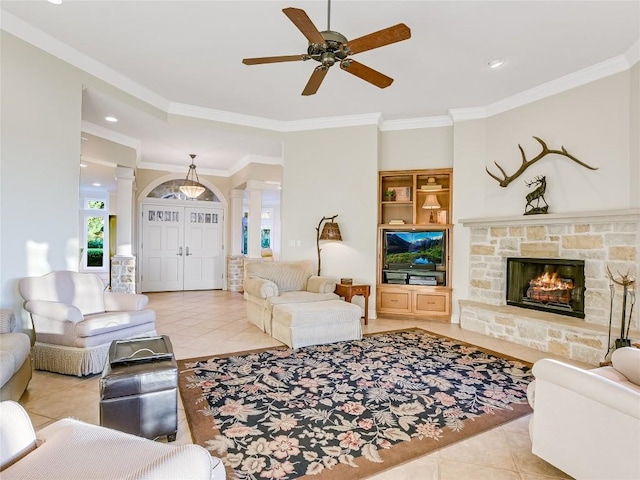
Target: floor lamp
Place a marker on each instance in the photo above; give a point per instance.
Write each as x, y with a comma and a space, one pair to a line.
330, 231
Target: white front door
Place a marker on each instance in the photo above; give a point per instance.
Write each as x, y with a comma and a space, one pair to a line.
181, 248
203, 249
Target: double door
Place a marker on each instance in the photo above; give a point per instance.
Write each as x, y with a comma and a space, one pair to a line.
182, 248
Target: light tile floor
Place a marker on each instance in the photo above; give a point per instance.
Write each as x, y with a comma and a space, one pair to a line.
212, 322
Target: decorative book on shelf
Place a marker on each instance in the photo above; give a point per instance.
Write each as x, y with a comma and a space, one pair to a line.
396, 222
431, 185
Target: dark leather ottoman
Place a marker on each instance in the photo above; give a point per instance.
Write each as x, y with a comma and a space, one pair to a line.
139, 388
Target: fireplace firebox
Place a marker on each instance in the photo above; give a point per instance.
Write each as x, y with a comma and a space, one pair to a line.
547, 284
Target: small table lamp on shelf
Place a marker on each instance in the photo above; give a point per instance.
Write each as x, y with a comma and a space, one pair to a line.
431, 203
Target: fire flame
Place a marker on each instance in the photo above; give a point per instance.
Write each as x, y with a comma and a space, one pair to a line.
551, 281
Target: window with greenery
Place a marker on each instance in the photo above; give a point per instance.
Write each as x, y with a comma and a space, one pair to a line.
95, 232
95, 204
95, 241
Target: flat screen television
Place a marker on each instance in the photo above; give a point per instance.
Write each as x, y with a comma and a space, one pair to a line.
414, 250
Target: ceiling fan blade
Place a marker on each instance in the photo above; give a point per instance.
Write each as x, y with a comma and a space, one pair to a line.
367, 74
390, 35
301, 20
315, 80
283, 58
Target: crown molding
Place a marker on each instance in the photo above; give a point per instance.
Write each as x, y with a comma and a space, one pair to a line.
248, 159
236, 167
633, 54
36, 37
332, 122
223, 116
590, 74
269, 124
53, 46
414, 123
573, 80
172, 168
464, 114
102, 132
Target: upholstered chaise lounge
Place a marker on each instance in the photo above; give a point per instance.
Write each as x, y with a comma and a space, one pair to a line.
267, 284
75, 320
587, 422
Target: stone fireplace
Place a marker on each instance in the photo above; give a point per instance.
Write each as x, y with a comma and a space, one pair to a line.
596, 240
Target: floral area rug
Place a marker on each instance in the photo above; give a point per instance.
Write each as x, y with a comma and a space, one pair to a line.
349, 409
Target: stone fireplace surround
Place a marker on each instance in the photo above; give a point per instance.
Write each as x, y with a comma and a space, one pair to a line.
603, 238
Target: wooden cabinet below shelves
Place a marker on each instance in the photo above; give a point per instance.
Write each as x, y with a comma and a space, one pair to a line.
392, 300
413, 300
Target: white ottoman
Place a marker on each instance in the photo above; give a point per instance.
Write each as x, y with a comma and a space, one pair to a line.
315, 323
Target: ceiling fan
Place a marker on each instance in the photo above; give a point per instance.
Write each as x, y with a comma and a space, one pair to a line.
329, 47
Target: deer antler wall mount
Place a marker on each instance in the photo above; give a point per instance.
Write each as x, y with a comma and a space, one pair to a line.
507, 179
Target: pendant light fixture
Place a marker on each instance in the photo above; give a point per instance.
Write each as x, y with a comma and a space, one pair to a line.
191, 186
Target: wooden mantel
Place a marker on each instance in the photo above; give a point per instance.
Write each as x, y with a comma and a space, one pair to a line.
599, 216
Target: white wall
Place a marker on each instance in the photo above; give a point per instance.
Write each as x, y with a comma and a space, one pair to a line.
416, 149
329, 172
592, 122
468, 200
634, 143
41, 102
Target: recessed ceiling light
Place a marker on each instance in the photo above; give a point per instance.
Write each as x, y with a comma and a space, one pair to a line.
83, 165
96, 184
111, 119
55, 2
498, 62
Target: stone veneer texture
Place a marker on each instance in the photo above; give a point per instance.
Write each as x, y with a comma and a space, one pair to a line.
123, 274
235, 273
600, 241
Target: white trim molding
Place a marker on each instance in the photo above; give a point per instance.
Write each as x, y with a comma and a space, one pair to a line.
599, 216
49, 44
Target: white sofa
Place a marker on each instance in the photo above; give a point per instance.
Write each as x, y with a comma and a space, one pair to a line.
75, 320
15, 358
71, 449
267, 284
587, 422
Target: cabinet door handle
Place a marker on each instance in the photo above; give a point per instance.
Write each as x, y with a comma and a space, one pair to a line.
179, 252
188, 252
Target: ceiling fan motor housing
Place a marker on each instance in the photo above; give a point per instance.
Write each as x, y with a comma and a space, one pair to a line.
335, 48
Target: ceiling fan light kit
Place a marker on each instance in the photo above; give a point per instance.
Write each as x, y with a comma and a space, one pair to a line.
329, 47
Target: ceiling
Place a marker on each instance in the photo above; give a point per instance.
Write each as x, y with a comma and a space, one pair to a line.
185, 56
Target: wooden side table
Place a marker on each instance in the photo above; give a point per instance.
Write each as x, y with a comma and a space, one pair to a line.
350, 291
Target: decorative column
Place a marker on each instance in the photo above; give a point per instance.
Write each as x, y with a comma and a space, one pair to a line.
123, 263
235, 260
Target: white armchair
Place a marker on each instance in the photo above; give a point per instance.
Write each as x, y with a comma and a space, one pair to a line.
75, 320
267, 284
587, 422
69, 449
